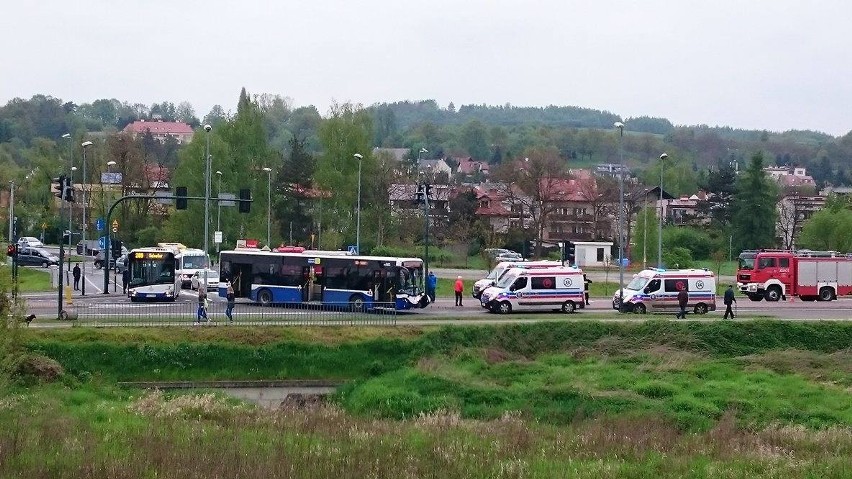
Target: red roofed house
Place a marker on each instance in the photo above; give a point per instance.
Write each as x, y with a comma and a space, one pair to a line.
161, 130
468, 167
576, 211
502, 213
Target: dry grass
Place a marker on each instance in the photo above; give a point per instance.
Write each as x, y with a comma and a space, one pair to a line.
204, 436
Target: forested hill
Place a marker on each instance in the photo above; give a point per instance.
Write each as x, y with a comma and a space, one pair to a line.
407, 114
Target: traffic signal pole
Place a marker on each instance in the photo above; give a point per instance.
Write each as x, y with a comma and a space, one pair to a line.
244, 204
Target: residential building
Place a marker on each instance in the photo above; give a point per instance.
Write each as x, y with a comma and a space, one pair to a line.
161, 130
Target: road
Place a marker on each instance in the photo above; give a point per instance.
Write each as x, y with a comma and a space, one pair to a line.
116, 305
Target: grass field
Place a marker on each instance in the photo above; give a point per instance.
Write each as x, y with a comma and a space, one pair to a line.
30, 280
575, 399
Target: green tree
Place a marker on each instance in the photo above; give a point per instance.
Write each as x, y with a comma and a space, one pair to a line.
294, 198
829, 229
474, 139
754, 211
347, 131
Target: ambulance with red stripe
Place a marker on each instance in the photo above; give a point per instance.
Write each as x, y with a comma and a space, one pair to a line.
654, 290
561, 288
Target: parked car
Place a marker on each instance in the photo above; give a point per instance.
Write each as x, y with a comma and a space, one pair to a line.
29, 242
502, 254
36, 257
93, 247
197, 279
121, 264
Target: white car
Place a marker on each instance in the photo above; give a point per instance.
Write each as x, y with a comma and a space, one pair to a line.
29, 242
197, 279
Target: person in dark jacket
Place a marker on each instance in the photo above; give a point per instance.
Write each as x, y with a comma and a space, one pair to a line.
229, 311
76, 273
125, 279
729, 300
682, 301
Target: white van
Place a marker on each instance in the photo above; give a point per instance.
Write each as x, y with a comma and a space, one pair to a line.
656, 290
500, 270
559, 288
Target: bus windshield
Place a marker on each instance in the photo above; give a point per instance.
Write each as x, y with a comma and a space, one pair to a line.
194, 262
151, 271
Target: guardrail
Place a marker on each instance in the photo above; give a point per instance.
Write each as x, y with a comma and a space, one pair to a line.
186, 314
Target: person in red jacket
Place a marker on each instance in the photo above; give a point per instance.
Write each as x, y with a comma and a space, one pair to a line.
459, 289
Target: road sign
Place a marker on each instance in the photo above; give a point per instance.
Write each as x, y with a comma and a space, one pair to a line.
217, 237
226, 199
353, 249
102, 242
100, 224
114, 224
158, 195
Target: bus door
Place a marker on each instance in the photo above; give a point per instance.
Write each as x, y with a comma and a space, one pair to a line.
312, 285
240, 275
383, 287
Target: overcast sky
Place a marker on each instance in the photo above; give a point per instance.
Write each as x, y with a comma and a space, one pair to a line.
755, 64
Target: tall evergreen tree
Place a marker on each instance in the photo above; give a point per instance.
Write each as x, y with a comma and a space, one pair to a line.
754, 207
294, 199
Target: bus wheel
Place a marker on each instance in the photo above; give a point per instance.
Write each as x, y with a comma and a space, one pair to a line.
700, 308
264, 296
568, 307
826, 294
639, 308
504, 307
356, 302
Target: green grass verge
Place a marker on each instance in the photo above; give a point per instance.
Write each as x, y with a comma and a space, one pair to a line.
561, 399
30, 280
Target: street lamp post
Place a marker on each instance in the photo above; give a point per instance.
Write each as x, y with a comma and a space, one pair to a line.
67, 136
207, 129
660, 227
358, 211
85, 145
218, 207
268, 206
620, 127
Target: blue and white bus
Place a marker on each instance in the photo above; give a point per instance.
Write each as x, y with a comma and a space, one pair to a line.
152, 275
292, 275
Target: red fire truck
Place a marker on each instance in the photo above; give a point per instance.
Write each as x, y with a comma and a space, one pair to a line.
810, 275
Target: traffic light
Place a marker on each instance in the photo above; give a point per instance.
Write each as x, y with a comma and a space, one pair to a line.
115, 248
60, 187
569, 252
245, 203
12, 250
180, 202
68, 192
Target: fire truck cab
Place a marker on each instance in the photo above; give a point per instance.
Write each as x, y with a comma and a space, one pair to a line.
810, 275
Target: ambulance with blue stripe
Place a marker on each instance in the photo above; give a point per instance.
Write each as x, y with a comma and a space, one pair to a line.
561, 288
654, 290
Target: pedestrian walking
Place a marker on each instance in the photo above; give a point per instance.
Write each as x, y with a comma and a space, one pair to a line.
76, 273
729, 300
125, 279
431, 284
586, 282
202, 306
682, 301
229, 311
459, 289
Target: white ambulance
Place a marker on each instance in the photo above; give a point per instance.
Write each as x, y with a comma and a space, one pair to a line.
558, 288
656, 290
502, 268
